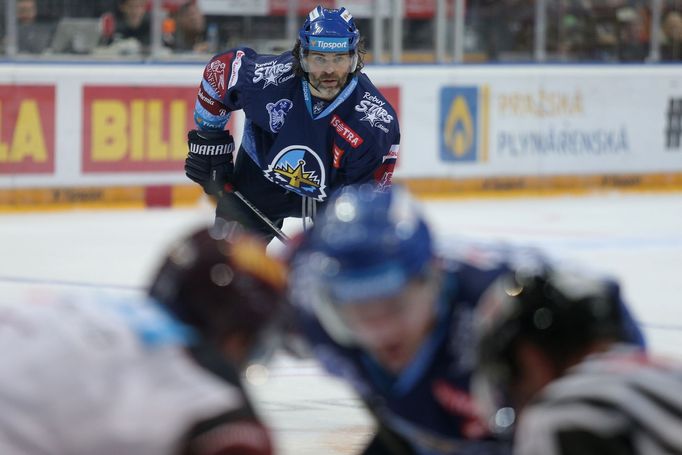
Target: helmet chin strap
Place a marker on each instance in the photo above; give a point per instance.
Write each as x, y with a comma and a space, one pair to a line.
307, 78
304, 62
354, 62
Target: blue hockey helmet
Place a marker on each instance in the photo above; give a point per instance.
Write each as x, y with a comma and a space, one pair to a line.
329, 30
365, 247
369, 244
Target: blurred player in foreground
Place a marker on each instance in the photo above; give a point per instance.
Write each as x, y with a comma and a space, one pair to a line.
382, 310
551, 348
153, 376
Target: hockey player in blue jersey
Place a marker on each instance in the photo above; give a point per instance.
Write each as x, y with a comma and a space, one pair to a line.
384, 311
313, 123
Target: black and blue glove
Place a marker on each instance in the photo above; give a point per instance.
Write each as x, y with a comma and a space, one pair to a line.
209, 161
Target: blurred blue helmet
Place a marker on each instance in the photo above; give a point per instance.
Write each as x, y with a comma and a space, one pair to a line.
329, 30
368, 244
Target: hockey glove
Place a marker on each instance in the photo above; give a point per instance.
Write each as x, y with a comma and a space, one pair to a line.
209, 161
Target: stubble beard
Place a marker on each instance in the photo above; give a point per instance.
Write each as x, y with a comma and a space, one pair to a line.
326, 92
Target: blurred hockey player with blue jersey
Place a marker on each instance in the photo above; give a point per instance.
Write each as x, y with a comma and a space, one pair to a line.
313, 123
381, 309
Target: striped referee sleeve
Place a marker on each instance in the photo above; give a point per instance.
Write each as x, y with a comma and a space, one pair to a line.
606, 408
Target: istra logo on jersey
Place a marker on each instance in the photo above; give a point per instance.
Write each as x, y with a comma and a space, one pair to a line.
463, 123
299, 169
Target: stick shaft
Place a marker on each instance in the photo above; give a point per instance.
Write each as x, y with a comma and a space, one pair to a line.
277, 231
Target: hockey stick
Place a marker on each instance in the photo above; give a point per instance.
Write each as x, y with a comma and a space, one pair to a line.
275, 230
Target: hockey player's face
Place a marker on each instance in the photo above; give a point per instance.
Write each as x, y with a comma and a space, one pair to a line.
393, 329
328, 73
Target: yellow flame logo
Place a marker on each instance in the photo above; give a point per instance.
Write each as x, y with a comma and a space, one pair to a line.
459, 129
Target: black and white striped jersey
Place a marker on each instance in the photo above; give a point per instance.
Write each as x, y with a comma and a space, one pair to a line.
621, 402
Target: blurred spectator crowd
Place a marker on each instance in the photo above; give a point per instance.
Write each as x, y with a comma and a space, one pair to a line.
108, 27
576, 30
496, 30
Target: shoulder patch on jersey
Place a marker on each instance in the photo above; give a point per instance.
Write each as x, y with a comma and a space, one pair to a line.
374, 111
215, 75
272, 72
277, 112
299, 169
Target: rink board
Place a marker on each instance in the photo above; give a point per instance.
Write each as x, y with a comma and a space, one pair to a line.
103, 134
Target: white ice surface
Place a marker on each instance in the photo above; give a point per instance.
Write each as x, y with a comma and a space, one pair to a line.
636, 238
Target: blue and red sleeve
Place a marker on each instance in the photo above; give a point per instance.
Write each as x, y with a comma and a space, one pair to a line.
215, 99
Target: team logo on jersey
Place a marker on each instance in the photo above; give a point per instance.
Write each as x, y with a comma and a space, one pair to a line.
277, 111
215, 75
319, 106
375, 113
299, 169
272, 73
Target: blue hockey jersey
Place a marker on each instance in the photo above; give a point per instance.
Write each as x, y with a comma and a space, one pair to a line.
429, 403
305, 145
